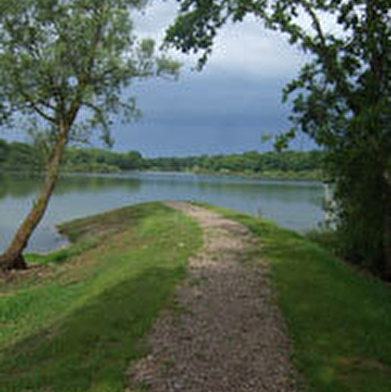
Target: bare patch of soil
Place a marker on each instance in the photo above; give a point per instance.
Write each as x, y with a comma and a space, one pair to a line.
33, 273
225, 332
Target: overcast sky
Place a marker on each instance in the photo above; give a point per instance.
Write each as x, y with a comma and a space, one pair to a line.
226, 107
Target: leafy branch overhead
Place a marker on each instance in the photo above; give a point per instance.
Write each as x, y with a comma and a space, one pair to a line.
341, 98
58, 57
348, 40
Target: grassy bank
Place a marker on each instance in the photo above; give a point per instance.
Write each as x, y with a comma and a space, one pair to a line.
339, 321
76, 318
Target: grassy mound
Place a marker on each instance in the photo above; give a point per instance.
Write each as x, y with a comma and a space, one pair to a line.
339, 320
76, 318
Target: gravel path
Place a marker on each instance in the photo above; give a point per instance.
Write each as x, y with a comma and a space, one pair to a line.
225, 333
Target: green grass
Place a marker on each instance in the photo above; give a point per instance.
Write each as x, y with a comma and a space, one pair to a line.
327, 239
76, 319
339, 320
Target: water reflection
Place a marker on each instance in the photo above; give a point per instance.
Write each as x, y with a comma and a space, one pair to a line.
295, 205
22, 186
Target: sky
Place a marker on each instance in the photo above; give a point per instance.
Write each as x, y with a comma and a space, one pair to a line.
227, 106
223, 109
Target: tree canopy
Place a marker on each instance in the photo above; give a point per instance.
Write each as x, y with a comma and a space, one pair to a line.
60, 57
341, 97
63, 68
25, 158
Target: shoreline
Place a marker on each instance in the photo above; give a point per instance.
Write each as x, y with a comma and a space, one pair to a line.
269, 176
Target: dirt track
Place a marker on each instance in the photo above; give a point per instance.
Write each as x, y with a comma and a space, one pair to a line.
225, 333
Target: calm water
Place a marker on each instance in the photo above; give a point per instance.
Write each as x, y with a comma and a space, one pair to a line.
295, 205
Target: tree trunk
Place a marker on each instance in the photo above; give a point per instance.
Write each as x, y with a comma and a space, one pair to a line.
387, 226
12, 258
387, 245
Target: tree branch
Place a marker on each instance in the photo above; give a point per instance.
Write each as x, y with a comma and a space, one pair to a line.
96, 109
40, 112
329, 62
84, 79
34, 105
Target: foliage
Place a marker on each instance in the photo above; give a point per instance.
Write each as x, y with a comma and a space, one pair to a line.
17, 156
131, 160
339, 320
77, 323
327, 239
248, 163
341, 98
301, 164
58, 59
63, 68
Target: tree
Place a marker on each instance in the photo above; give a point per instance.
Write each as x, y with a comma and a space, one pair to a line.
341, 98
63, 65
4, 149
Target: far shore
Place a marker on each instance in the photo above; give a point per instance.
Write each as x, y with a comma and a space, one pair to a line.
313, 176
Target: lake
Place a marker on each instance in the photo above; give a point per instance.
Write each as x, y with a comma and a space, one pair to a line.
293, 204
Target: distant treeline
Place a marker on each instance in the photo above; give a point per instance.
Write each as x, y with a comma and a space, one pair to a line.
18, 156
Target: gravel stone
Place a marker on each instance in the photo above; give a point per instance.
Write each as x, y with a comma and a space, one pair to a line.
225, 332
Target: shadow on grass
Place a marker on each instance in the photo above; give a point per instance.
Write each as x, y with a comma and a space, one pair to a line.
87, 233
108, 223
91, 348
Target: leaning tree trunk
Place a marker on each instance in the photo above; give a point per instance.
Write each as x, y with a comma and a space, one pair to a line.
12, 258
